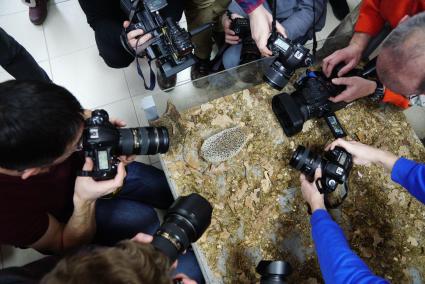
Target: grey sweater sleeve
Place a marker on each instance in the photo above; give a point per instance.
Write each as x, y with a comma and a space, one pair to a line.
300, 22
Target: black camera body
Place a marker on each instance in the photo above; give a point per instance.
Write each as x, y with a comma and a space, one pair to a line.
289, 57
170, 45
104, 142
273, 272
242, 29
240, 26
335, 165
184, 223
310, 100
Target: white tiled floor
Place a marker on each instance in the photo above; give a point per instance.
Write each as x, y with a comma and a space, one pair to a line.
65, 47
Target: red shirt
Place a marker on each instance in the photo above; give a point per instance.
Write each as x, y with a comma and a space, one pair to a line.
372, 17
24, 204
374, 13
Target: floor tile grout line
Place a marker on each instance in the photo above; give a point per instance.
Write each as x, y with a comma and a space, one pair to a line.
25, 9
48, 54
71, 52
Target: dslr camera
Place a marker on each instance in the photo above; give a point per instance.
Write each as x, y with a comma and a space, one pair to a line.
335, 165
273, 272
104, 142
311, 100
289, 57
241, 27
184, 223
170, 45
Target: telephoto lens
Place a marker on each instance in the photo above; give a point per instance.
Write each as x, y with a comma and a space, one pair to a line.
185, 222
143, 141
273, 272
305, 161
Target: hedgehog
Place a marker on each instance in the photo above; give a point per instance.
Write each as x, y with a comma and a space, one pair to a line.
224, 145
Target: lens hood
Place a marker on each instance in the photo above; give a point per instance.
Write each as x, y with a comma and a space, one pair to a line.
288, 114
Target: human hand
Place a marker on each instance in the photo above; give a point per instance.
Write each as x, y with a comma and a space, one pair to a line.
136, 37
86, 189
142, 238
229, 35
261, 26
350, 55
311, 194
362, 154
357, 87
147, 239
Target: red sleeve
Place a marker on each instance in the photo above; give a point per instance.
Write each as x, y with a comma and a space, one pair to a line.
395, 99
249, 5
22, 230
370, 19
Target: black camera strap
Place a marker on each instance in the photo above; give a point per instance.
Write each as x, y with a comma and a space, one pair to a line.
152, 78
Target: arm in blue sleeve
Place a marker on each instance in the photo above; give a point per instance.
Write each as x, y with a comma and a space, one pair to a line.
249, 5
338, 263
410, 175
301, 21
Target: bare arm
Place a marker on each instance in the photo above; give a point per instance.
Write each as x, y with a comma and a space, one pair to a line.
81, 227
366, 155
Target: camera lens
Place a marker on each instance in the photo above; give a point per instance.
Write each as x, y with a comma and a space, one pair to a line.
143, 140
305, 161
185, 222
276, 75
273, 272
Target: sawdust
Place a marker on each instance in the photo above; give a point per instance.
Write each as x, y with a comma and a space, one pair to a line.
383, 223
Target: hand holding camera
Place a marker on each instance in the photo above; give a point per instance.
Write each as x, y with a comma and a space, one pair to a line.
261, 27
230, 35
310, 192
356, 88
350, 55
89, 190
365, 154
136, 38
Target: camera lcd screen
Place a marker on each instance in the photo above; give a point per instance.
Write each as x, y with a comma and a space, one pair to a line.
103, 160
281, 44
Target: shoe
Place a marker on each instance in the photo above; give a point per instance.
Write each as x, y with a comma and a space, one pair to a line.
166, 84
38, 13
340, 8
201, 69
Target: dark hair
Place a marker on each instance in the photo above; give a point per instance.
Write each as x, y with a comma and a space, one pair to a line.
128, 262
38, 121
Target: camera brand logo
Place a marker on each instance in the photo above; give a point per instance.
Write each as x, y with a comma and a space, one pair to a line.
94, 133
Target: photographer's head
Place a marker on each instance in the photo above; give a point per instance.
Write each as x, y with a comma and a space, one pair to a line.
129, 262
402, 57
40, 126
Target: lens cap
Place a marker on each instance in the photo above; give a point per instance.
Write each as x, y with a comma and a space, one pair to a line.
276, 270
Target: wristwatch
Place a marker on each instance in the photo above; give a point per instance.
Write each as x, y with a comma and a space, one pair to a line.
378, 95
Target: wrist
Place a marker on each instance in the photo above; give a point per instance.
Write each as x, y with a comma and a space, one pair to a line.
256, 10
80, 202
359, 42
317, 205
378, 93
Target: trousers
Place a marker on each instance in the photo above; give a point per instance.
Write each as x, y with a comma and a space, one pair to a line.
106, 19
17, 61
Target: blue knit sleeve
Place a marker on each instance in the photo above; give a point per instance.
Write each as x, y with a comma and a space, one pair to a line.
410, 175
338, 263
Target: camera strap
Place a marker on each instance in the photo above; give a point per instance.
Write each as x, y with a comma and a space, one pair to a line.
151, 75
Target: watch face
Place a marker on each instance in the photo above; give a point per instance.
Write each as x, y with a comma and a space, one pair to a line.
155, 5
